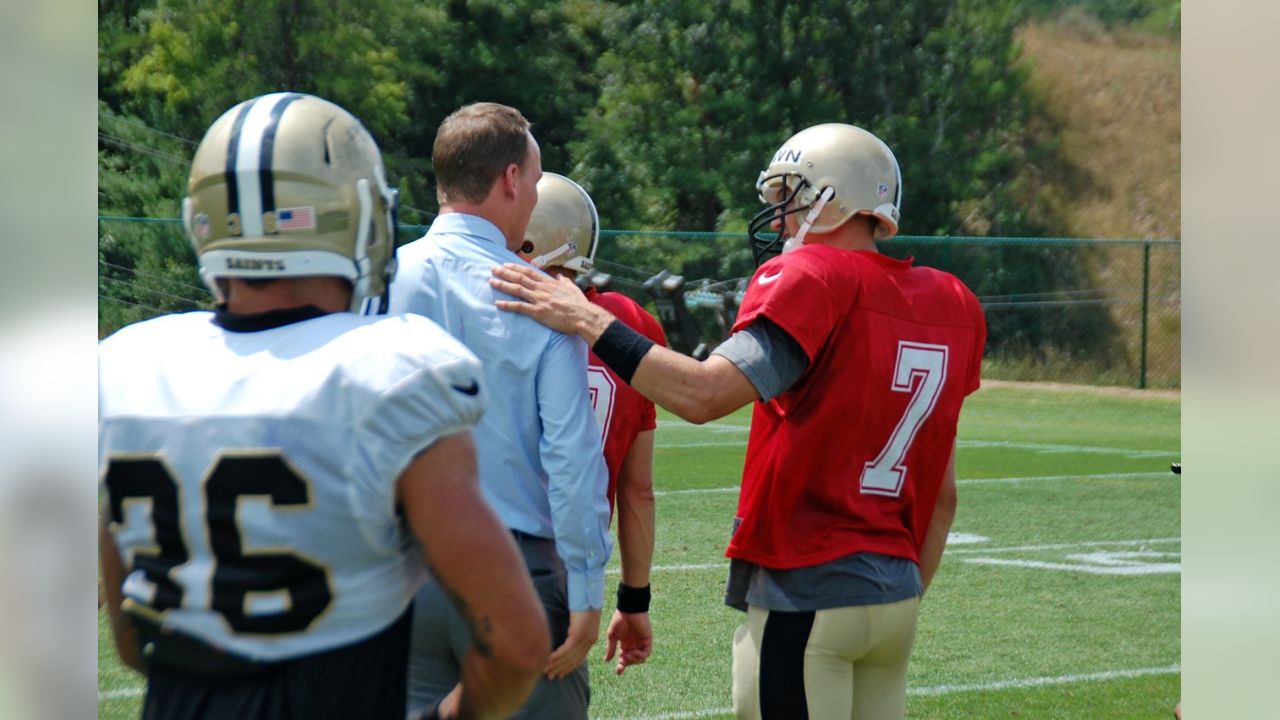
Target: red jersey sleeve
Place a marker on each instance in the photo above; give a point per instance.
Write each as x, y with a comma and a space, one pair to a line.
791, 290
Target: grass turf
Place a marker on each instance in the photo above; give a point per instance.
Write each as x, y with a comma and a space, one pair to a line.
1063, 601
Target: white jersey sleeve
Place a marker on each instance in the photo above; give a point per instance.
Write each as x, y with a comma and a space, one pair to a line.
448, 394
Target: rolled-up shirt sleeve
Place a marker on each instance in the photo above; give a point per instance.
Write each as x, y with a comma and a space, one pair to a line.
577, 477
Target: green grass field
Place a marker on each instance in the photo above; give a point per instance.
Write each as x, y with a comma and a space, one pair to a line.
1058, 596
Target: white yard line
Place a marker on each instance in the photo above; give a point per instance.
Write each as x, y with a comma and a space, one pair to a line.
726, 443
1042, 681
120, 693
1046, 448
1052, 448
1063, 546
1038, 478
713, 426
925, 691
696, 491
971, 687
695, 567
679, 568
967, 481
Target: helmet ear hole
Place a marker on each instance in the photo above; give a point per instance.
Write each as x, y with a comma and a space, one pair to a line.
527, 247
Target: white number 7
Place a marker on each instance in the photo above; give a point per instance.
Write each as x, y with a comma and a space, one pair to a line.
886, 474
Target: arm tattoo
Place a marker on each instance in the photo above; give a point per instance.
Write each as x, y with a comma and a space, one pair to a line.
481, 628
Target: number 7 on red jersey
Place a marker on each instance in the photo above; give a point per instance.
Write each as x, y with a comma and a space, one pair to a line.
886, 474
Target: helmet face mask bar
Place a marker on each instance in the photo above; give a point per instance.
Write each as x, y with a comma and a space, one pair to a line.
777, 193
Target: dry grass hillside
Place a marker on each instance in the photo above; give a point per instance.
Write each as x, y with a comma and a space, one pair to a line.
1117, 98
1114, 100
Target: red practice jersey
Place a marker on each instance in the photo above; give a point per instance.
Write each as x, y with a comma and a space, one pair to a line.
622, 412
851, 458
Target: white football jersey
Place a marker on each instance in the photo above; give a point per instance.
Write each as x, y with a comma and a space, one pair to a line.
249, 477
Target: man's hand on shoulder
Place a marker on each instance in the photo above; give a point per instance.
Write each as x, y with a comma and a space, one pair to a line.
554, 302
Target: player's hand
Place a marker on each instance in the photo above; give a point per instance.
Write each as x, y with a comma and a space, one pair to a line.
631, 635
553, 301
584, 630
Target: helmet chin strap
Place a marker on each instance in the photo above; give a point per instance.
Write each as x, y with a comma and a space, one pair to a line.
547, 258
809, 220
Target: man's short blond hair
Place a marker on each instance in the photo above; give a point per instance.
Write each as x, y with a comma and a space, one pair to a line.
474, 146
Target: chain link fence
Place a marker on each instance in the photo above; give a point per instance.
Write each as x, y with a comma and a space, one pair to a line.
1081, 311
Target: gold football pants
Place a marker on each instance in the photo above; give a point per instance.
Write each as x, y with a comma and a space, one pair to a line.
837, 664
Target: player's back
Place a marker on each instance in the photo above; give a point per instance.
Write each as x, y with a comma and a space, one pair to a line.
621, 411
893, 351
250, 475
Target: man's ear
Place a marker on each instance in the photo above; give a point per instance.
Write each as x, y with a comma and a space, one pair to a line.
510, 179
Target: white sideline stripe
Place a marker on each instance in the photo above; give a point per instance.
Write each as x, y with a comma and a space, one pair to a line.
968, 481
690, 567
978, 687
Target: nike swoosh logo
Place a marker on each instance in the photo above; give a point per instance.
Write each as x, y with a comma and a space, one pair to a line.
766, 279
472, 389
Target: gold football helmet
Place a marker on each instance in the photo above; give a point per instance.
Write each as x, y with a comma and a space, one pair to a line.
834, 171
291, 185
564, 229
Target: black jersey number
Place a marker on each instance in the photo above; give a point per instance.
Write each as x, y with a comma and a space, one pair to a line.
300, 587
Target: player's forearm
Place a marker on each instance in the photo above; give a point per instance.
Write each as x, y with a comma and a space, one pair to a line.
936, 540
635, 536
122, 630
944, 512
681, 385
492, 687
668, 378
636, 512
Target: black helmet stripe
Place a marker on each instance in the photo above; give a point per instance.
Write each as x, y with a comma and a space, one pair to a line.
249, 159
233, 145
268, 146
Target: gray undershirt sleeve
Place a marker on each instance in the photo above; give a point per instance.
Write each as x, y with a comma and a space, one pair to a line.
770, 358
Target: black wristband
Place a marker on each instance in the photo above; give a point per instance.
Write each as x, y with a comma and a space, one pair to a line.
633, 599
622, 349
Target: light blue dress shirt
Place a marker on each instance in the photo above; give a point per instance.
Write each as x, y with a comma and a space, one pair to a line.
541, 464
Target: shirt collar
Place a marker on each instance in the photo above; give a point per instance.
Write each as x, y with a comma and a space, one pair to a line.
464, 224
